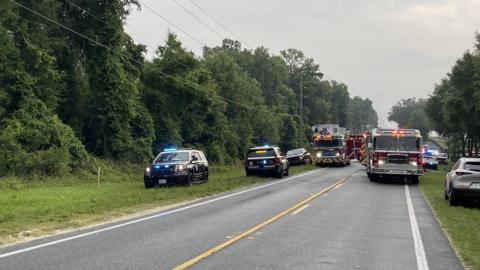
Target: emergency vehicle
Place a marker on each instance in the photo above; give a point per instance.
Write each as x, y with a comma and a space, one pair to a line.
354, 144
329, 145
394, 152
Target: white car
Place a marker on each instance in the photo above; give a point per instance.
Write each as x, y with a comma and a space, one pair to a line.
463, 181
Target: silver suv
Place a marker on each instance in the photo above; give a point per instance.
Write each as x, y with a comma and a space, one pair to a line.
463, 181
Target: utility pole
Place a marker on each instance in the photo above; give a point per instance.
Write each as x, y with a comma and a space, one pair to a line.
301, 104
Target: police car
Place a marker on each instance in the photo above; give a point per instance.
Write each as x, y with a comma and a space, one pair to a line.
177, 166
266, 160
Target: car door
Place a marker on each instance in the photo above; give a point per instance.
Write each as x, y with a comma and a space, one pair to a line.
451, 174
197, 165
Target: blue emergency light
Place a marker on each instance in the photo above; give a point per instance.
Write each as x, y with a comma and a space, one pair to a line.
169, 149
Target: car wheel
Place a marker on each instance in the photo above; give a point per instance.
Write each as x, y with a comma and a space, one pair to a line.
453, 198
148, 183
189, 180
279, 173
205, 177
372, 177
414, 180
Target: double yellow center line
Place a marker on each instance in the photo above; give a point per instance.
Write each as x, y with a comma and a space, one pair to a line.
248, 232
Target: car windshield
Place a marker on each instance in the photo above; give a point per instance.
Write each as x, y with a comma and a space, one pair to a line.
472, 166
171, 157
269, 152
385, 143
328, 143
294, 152
408, 144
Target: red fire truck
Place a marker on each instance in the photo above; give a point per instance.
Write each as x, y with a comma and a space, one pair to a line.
329, 145
354, 144
394, 152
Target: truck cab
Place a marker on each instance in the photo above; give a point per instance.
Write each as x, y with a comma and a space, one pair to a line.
395, 152
329, 145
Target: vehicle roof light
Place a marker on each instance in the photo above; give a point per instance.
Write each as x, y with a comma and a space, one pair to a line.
169, 149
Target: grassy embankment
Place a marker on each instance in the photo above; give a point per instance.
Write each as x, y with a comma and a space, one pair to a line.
462, 223
42, 205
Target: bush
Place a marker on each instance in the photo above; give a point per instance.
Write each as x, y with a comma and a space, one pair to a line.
34, 140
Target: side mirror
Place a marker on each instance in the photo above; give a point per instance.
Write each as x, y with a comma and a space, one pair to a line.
194, 158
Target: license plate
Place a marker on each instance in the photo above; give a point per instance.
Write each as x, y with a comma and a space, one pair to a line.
475, 185
162, 181
327, 160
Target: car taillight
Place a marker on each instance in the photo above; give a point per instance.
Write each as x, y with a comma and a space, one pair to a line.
462, 173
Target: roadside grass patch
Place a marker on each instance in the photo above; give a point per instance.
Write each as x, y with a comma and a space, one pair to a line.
462, 223
41, 205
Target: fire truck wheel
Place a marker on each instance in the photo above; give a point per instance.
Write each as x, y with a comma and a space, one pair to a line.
414, 180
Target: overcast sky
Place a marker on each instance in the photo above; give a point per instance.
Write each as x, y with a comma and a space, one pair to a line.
385, 50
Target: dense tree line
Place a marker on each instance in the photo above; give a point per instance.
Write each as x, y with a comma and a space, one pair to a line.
454, 105
65, 98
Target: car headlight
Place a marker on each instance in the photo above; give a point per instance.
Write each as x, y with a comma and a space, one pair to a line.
337, 154
413, 163
147, 171
301, 157
381, 162
180, 168
319, 154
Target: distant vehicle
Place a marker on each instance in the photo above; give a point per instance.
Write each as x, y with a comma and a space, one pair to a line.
429, 162
394, 152
298, 156
172, 166
266, 160
329, 145
354, 145
463, 181
442, 158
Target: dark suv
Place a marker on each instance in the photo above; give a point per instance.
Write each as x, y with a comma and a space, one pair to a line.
172, 166
266, 160
299, 156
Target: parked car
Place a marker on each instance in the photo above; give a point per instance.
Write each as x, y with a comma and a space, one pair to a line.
442, 158
172, 166
463, 181
429, 162
298, 156
266, 160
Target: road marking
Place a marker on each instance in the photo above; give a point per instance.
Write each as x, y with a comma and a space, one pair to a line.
51, 243
300, 209
422, 263
339, 186
248, 232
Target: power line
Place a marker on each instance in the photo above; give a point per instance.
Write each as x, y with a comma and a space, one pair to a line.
88, 12
139, 62
172, 24
197, 18
218, 22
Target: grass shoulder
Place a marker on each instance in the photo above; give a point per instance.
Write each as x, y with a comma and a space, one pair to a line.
39, 205
462, 223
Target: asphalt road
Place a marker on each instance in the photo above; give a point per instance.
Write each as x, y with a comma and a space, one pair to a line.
351, 224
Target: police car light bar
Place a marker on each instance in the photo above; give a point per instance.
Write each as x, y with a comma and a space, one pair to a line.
169, 149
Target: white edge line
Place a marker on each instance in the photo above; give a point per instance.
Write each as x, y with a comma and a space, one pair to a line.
148, 217
422, 263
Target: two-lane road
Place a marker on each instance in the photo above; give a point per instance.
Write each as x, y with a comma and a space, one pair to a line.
331, 218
